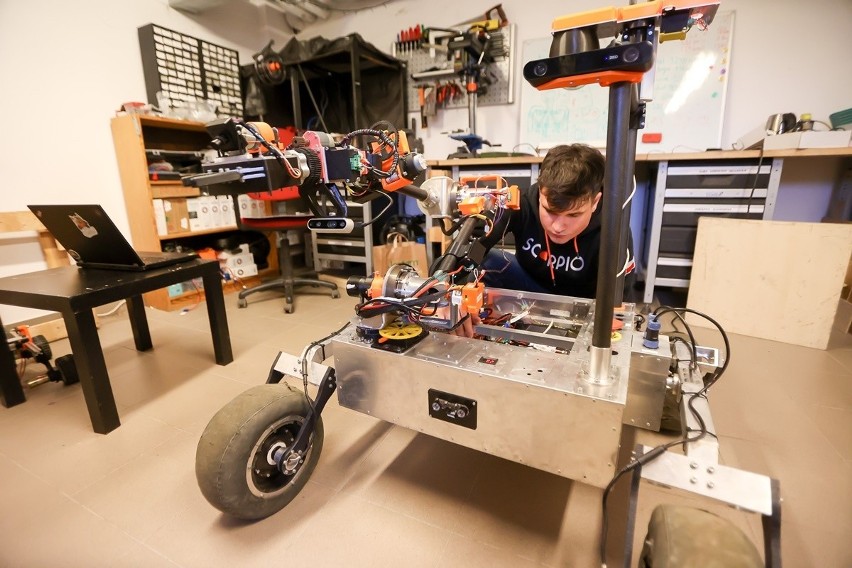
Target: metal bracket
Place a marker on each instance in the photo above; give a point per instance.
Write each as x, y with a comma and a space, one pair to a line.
291, 365
741, 489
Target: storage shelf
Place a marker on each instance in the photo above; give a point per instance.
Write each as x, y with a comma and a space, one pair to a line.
132, 135
171, 189
186, 234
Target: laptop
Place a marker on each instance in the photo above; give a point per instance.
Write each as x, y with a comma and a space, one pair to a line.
93, 240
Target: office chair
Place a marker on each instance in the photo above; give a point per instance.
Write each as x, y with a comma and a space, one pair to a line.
280, 224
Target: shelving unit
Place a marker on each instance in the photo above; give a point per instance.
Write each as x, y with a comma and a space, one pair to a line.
136, 137
686, 191
353, 248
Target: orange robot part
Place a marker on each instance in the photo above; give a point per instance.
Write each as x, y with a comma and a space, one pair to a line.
473, 296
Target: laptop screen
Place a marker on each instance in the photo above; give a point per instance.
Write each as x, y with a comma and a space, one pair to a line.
87, 233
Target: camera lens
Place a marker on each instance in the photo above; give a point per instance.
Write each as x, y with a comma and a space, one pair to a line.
540, 69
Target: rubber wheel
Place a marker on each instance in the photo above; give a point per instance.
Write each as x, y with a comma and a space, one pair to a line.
242, 303
42, 343
681, 537
335, 294
232, 462
67, 369
288, 309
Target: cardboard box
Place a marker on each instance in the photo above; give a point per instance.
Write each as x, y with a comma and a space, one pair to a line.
193, 209
160, 217
244, 271
808, 139
230, 260
176, 215
825, 139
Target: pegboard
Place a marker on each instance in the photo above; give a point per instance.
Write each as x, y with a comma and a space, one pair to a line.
185, 68
500, 92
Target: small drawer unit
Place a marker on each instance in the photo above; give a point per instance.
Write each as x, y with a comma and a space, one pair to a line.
684, 192
333, 250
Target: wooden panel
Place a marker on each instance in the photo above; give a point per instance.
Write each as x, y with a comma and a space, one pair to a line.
133, 170
770, 279
166, 190
17, 221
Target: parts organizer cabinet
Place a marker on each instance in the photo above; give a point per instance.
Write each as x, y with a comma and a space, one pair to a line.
687, 190
330, 250
136, 137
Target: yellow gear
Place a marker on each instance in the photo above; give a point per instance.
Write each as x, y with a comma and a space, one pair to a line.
398, 330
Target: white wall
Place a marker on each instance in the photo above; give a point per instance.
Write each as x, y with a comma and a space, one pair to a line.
67, 66
787, 56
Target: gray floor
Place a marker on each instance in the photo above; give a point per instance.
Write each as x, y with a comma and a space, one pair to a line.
381, 495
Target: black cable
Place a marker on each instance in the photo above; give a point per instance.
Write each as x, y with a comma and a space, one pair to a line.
387, 126
452, 229
719, 370
376, 217
384, 138
692, 360
754, 185
659, 450
409, 305
692, 344
305, 363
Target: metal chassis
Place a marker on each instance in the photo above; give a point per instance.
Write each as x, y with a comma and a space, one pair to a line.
697, 471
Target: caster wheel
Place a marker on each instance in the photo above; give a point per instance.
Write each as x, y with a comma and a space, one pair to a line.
685, 536
233, 463
335, 294
242, 303
288, 309
41, 342
68, 369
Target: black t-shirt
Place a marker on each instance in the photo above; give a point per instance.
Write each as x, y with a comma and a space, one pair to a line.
575, 264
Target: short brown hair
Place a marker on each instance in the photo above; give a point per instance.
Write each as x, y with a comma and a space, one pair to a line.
571, 174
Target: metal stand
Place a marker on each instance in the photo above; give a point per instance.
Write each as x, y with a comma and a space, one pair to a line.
618, 172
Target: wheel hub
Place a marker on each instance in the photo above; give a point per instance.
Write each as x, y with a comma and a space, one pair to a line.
263, 476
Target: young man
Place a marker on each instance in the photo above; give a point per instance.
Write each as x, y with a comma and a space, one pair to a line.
557, 230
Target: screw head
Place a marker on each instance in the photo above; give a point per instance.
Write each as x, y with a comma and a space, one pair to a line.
693, 479
710, 485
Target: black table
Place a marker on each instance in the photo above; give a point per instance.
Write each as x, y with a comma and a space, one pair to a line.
73, 292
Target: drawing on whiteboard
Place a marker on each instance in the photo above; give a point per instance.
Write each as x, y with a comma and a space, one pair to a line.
685, 114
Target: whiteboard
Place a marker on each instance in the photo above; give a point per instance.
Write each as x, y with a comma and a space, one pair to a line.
688, 104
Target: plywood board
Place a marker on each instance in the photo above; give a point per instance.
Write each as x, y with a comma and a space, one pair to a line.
770, 279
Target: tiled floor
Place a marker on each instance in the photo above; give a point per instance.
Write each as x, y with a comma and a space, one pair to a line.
381, 495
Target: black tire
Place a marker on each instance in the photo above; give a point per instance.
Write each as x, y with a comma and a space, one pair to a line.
42, 343
680, 536
231, 463
67, 369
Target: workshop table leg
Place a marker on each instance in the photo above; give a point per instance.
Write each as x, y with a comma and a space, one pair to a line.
139, 323
91, 367
218, 318
11, 391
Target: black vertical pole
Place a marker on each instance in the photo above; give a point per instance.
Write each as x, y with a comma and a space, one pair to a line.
615, 176
355, 66
297, 99
629, 167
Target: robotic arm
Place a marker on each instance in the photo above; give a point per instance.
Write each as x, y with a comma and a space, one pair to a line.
252, 160
406, 300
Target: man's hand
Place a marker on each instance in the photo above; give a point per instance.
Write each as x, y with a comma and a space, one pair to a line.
466, 328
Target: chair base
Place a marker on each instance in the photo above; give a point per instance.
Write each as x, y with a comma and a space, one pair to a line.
288, 285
